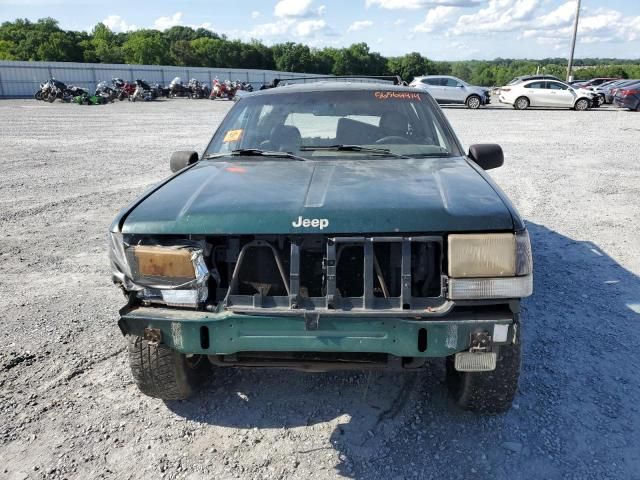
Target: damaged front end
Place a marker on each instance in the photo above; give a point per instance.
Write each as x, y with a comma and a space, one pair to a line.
281, 274
161, 271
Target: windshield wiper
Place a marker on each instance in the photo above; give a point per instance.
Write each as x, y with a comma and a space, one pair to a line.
352, 148
255, 152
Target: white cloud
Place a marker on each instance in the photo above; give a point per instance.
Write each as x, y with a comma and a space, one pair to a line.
255, 14
561, 16
498, 16
598, 26
297, 9
437, 19
417, 4
359, 25
400, 21
308, 28
164, 23
284, 29
118, 24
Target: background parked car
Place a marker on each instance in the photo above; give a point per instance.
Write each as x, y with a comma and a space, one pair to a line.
601, 90
594, 82
452, 90
545, 93
610, 93
526, 78
628, 97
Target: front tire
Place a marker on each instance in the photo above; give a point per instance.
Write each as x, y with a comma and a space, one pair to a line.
473, 102
582, 105
521, 103
161, 372
487, 392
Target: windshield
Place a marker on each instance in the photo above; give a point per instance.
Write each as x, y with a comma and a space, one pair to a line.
317, 123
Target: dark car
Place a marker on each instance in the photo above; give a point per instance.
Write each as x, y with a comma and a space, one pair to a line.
327, 225
628, 97
610, 93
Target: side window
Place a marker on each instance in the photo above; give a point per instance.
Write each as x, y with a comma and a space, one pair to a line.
431, 81
450, 82
536, 85
556, 86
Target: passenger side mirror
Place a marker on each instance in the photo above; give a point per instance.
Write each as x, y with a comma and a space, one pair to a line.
487, 155
182, 159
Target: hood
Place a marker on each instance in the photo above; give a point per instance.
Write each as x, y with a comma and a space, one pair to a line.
355, 196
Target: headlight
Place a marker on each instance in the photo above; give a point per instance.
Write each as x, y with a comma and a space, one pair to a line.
173, 275
495, 265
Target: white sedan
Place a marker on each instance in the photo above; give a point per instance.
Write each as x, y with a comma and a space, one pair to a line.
545, 93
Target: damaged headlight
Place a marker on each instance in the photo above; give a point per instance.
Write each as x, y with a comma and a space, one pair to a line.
495, 265
174, 275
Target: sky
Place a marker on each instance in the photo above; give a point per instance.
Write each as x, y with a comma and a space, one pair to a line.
438, 29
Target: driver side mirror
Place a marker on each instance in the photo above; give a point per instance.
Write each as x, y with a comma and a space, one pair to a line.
182, 159
460, 85
487, 155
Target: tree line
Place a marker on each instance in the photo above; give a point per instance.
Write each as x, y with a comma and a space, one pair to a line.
44, 40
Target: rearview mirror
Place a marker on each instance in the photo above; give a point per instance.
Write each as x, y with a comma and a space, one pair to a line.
487, 155
182, 159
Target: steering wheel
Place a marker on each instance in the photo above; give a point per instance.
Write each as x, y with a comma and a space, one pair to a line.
393, 140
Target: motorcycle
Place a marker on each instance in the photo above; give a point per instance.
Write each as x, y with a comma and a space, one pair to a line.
197, 89
178, 89
86, 99
52, 89
105, 90
124, 89
223, 90
244, 86
146, 92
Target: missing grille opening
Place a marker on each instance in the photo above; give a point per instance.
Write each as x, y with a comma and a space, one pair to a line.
387, 271
425, 269
350, 270
259, 273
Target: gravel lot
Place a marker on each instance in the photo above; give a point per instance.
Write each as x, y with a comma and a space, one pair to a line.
68, 407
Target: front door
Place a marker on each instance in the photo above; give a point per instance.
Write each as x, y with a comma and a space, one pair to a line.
560, 95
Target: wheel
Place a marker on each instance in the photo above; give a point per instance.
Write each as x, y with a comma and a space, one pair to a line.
582, 105
473, 102
487, 392
521, 103
161, 372
38, 95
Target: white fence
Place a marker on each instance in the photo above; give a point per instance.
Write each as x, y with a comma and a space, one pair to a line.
22, 79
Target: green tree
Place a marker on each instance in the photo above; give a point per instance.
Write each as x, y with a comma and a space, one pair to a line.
105, 45
409, 66
146, 47
7, 48
292, 57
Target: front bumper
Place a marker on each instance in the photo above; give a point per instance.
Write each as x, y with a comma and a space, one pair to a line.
227, 333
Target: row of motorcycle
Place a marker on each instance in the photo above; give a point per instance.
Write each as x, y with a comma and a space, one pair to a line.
119, 89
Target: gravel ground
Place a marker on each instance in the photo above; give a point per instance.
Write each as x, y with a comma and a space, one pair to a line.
69, 409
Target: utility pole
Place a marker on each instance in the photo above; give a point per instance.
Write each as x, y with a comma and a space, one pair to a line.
573, 42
